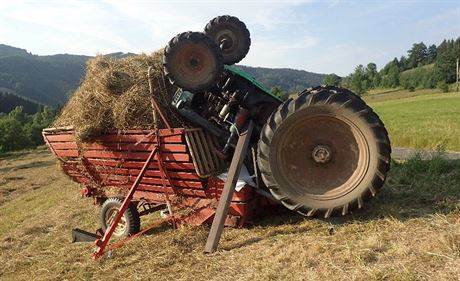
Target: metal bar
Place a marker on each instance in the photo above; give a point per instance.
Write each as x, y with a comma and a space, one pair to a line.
156, 224
156, 108
229, 188
102, 243
155, 105
164, 174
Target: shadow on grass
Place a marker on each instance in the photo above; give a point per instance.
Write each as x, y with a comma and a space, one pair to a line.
34, 164
14, 155
414, 189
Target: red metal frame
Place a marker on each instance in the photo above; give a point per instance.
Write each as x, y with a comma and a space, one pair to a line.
102, 243
150, 166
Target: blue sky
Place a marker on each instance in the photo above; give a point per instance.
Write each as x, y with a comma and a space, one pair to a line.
318, 36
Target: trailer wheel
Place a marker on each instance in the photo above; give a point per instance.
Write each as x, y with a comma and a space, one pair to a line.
324, 153
129, 223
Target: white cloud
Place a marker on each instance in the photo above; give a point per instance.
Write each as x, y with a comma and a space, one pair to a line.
296, 34
72, 24
88, 27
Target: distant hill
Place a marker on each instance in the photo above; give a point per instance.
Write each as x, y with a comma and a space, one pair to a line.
47, 79
8, 51
8, 101
290, 80
51, 79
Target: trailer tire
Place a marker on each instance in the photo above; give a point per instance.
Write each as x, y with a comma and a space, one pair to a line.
129, 223
324, 153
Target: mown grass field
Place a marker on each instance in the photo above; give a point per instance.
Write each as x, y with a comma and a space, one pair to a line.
422, 119
411, 231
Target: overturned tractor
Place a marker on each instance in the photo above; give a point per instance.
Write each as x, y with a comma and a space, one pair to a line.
322, 153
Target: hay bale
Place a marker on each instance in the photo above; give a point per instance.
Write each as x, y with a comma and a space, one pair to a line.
114, 95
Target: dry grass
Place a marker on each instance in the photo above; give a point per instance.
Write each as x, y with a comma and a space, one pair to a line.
411, 231
114, 95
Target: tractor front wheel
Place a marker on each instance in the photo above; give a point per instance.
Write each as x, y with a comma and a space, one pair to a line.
324, 153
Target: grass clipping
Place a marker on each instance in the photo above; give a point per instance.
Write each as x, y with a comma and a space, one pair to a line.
115, 95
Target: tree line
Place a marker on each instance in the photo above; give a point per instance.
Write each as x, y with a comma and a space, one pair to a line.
423, 67
8, 101
19, 130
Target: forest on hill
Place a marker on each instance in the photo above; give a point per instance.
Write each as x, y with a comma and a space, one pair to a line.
52, 79
9, 101
423, 67
287, 79
46, 79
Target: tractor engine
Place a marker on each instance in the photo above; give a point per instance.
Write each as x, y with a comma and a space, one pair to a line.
225, 108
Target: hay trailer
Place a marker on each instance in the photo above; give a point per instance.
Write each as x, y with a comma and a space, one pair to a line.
169, 170
321, 153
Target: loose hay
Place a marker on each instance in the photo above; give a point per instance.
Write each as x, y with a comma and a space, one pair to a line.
114, 95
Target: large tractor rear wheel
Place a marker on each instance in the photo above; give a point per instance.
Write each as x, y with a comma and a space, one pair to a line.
324, 153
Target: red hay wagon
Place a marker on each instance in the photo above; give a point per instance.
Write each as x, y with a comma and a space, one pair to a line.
185, 174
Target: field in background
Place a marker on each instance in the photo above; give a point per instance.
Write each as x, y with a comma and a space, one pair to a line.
422, 119
411, 231
377, 95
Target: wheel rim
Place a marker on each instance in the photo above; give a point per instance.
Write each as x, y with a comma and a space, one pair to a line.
110, 216
231, 35
319, 157
227, 40
193, 65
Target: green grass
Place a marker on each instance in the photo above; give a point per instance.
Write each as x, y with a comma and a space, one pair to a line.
411, 231
420, 119
378, 95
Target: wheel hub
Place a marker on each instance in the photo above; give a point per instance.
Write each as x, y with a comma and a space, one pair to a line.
226, 42
194, 62
322, 166
121, 227
321, 154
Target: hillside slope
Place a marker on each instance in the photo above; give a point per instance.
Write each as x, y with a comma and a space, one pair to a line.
411, 231
8, 101
46, 79
289, 80
47, 82
51, 79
